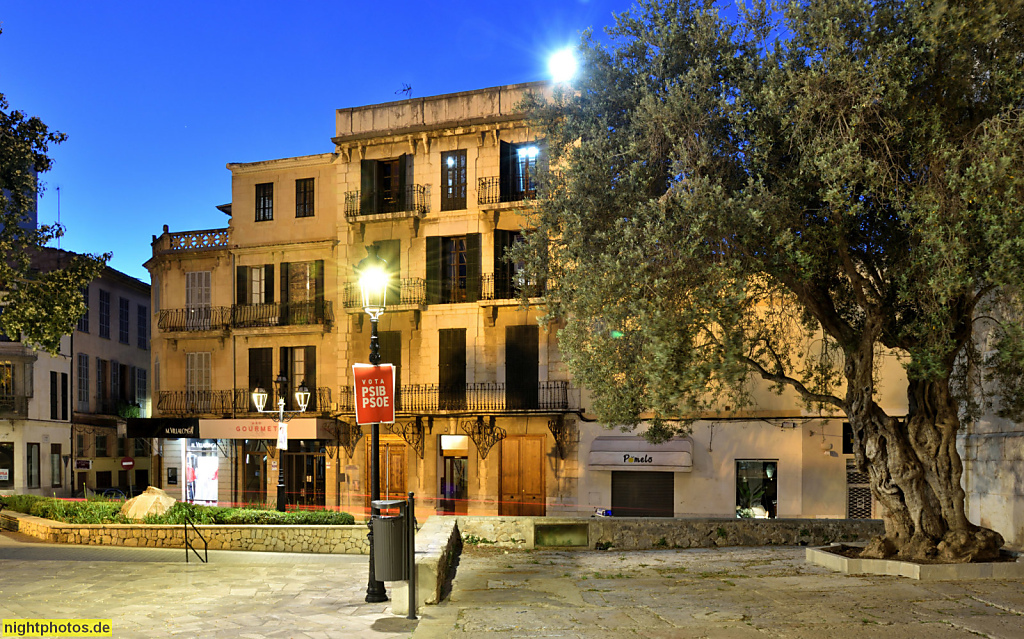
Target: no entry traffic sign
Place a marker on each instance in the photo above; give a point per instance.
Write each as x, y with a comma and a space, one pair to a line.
375, 393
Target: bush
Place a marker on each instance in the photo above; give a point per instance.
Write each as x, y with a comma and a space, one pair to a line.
79, 512
20, 503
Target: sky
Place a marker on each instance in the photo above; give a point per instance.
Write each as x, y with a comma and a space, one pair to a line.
156, 98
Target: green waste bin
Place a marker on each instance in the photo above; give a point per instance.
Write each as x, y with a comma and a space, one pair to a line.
391, 541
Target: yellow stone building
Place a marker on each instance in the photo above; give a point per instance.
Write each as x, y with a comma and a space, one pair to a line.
488, 420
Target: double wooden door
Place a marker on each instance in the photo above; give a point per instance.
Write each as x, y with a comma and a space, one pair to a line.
522, 476
392, 469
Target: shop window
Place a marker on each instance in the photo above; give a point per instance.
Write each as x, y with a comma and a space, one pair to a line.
757, 494
6, 464
32, 465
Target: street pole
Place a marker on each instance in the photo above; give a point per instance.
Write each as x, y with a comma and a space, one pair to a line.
281, 495
375, 592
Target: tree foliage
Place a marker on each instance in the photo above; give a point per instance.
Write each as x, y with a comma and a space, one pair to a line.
782, 200
39, 305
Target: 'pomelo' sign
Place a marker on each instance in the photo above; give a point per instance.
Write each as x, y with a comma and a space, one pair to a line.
375, 393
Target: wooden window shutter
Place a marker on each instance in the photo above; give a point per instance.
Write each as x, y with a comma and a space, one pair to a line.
391, 252
310, 376
268, 284
318, 289
473, 267
242, 285
64, 396
434, 270
367, 186
404, 164
53, 394
507, 168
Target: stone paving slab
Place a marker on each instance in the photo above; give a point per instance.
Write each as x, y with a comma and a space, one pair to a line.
727, 593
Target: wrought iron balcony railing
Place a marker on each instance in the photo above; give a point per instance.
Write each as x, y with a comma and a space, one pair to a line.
414, 199
216, 318
203, 318
503, 287
282, 314
14, 405
480, 397
232, 402
410, 290
488, 191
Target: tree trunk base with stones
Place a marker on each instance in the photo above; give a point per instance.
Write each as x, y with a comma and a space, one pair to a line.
956, 547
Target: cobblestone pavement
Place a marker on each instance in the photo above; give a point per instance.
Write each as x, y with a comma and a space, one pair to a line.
720, 593
150, 592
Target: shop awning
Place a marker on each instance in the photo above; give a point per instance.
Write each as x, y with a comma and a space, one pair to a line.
636, 453
163, 427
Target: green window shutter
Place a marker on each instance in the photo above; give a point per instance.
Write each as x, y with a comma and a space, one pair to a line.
367, 186
241, 279
391, 252
318, 289
507, 170
268, 283
472, 267
310, 377
404, 164
433, 270
283, 302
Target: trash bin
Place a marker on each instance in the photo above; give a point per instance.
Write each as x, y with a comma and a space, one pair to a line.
391, 541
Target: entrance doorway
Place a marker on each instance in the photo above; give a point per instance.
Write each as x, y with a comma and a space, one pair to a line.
392, 468
522, 476
454, 475
305, 474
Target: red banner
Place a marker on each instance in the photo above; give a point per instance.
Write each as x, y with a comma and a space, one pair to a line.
375, 393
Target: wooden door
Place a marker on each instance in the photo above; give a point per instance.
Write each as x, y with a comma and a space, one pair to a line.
392, 469
522, 476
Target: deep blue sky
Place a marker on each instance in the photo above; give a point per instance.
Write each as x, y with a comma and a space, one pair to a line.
157, 97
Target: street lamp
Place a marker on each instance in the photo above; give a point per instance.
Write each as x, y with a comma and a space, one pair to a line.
373, 288
259, 397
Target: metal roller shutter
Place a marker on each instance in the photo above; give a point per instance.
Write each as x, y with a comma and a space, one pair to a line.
642, 494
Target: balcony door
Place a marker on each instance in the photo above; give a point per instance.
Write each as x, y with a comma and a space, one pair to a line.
521, 367
452, 369
197, 300
197, 382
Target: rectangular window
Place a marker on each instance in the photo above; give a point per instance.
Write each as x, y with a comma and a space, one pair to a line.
141, 389
197, 381
123, 310
121, 441
453, 180
83, 322
265, 202
386, 186
7, 378
455, 268
64, 396
140, 449
304, 197
83, 382
261, 373
101, 446
55, 466
757, 493
115, 382
143, 336
104, 314
32, 465
6, 464
257, 285
103, 478
80, 444
197, 300
519, 166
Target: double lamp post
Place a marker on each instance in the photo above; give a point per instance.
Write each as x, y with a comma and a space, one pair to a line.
259, 397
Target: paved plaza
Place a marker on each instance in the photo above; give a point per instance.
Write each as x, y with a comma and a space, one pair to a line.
728, 592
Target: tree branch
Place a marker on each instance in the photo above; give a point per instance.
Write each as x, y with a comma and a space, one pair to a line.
796, 384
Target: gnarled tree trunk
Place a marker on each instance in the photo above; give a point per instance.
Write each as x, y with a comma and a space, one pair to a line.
915, 472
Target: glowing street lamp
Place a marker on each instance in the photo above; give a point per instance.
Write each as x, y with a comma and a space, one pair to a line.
259, 398
373, 287
562, 65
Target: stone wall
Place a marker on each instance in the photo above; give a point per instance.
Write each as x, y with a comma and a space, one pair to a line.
624, 533
438, 545
344, 540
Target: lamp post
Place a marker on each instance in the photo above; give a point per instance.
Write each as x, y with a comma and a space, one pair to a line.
373, 287
259, 397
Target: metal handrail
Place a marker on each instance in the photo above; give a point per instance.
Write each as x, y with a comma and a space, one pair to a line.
488, 191
282, 314
481, 397
200, 318
410, 290
228, 402
415, 199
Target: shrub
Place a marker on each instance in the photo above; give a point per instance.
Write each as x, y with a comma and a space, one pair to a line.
20, 503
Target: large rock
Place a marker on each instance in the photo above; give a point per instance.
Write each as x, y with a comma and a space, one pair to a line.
152, 502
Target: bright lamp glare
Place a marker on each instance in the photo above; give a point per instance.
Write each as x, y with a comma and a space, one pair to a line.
562, 65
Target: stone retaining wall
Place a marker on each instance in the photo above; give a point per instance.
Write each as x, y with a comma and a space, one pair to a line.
623, 533
344, 540
438, 545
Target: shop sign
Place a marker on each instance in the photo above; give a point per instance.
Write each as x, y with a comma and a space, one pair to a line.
374, 393
299, 428
5, 474
83, 464
127, 463
634, 453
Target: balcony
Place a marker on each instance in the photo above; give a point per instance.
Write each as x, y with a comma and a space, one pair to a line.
13, 406
414, 200
477, 398
236, 401
210, 239
412, 291
217, 318
489, 191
